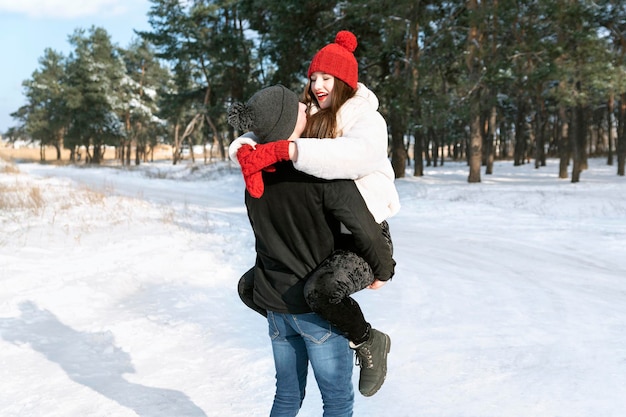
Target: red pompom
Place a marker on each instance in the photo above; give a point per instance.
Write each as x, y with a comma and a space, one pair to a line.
347, 40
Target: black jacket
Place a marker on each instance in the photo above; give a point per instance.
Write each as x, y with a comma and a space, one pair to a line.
296, 226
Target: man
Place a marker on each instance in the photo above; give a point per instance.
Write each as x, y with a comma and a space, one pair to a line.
296, 222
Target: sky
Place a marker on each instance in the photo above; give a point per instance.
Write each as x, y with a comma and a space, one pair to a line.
28, 27
118, 295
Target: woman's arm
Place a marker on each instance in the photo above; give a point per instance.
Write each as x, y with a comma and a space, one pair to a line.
359, 152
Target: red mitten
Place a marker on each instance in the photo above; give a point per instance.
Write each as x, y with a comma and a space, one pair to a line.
254, 161
264, 155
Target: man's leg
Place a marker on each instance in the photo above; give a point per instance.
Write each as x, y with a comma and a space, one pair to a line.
291, 362
331, 359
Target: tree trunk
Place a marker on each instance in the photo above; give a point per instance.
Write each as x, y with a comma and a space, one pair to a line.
176, 149
98, 154
475, 154
621, 136
503, 148
474, 66
578, 142
427, 148
59, 144
520, 135
564, 147
490, 141
216, 136
418, 153
432, 138
609, 123
139, 152
398, 154
540, 129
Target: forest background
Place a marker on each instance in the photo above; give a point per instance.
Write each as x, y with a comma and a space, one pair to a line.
474, 80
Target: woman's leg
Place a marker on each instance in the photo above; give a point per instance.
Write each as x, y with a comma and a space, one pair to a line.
329, 286
328, 290
245, 288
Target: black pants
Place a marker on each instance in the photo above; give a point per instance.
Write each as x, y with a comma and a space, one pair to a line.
328, 289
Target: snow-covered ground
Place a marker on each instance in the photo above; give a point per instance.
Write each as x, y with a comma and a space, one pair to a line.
117, 295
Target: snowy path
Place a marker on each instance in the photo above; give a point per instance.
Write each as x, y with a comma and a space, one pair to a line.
509, 298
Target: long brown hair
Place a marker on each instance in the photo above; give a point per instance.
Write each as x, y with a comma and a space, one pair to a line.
323, 124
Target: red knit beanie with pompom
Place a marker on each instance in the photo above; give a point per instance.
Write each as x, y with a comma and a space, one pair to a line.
337, 59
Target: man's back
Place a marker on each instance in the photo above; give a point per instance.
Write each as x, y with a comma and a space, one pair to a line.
296, 226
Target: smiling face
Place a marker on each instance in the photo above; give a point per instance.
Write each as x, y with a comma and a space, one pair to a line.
322, 85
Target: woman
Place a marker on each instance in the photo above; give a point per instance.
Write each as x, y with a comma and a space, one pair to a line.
346, 113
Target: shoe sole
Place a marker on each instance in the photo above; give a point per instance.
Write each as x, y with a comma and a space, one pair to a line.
387, 350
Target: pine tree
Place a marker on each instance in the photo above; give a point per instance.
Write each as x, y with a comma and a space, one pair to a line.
95, 75
43, 118
210, 58
141, 88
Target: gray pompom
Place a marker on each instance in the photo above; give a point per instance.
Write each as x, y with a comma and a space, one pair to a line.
240, 117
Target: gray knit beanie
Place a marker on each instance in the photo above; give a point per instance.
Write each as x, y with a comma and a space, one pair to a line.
271, 114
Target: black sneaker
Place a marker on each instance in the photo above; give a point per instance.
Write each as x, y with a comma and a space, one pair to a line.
371, 356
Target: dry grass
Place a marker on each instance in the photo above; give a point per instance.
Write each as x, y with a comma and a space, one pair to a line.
17, 195
9, 169
91, 196
14, 197
30, 202
32, 154
35, 199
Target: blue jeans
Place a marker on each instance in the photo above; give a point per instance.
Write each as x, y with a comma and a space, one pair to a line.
298, 339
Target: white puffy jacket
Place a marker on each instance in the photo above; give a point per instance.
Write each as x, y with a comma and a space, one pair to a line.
358, 153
